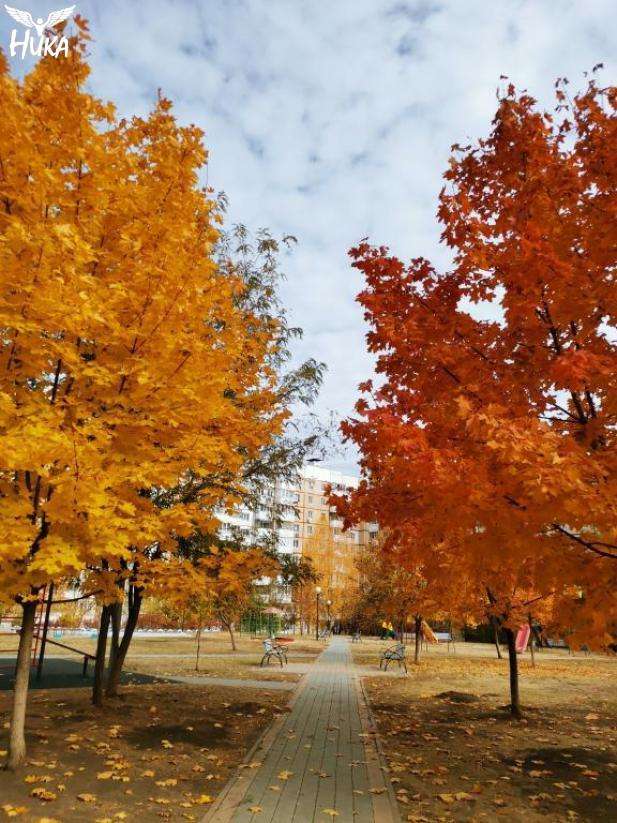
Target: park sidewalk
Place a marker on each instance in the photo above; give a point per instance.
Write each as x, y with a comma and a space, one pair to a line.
321, 758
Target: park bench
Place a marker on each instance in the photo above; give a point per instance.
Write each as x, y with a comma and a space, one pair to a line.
393, 653
272, 649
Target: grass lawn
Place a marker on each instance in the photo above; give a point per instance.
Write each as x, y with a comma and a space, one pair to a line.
168, 656
455, 755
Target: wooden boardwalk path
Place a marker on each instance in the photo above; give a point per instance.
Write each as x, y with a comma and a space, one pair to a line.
320, 758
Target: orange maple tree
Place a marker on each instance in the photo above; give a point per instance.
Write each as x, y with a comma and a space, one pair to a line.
492, 441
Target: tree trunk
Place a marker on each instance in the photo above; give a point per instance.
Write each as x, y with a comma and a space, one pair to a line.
115, 611
198, 647
101, 653
17, 738
230, 628
135, 600
531, 638
515, 702
418, 629
496, 637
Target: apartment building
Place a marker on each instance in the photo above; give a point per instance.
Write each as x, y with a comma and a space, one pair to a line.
293, 511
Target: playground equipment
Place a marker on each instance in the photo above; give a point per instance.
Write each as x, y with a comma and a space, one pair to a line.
40, 637
522, 638
428, 634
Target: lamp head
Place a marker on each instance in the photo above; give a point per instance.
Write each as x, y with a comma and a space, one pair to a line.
317, 589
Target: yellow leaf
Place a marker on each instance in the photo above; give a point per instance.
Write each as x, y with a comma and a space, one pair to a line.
42, 794
203, 798
87, 798
464, 796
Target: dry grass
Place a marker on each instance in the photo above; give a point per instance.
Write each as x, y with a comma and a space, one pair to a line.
455, 754
158, 752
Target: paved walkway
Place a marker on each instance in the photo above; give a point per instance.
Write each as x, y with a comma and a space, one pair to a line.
320, 758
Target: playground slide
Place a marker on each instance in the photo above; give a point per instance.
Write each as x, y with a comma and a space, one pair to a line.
522, 638
428, 633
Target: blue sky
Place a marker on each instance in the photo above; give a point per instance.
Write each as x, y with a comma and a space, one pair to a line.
334, 120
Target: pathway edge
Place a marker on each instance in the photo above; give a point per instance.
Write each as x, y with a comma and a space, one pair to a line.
385, 805
227, 802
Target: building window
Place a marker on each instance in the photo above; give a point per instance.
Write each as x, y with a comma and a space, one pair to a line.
309, 530
310, 498
310, 515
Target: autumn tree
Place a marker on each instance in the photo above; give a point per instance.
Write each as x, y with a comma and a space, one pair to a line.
132, 364
493, 440
298, 576
332, 555
267, 447
230, 577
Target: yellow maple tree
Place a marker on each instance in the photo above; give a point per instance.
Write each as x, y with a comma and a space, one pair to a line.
128, 360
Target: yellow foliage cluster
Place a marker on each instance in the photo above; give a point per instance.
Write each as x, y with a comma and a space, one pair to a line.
126, 356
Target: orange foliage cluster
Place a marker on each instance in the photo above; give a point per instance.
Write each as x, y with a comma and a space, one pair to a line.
488, 445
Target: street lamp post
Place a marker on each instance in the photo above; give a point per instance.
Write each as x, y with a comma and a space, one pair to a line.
317, 596
328, 604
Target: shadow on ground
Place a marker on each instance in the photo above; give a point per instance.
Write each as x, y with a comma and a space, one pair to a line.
61, 673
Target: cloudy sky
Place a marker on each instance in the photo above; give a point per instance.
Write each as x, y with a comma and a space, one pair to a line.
333, 119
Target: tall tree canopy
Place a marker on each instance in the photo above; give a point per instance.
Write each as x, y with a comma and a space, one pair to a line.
492, 441
134, 360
